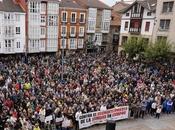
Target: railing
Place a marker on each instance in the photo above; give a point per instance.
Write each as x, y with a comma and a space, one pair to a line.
134, 30
136, 15
69, 20
68, 34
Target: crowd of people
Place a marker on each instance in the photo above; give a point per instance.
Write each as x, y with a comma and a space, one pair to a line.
32, 89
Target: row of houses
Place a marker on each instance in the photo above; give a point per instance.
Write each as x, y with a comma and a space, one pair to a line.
34, 26
149, 19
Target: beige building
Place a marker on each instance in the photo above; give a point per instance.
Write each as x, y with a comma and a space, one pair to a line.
165, 21
97, 24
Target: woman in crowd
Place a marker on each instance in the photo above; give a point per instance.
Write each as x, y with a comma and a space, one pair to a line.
30, 92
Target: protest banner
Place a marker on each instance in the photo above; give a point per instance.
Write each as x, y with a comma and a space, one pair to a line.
48, 118
100, 117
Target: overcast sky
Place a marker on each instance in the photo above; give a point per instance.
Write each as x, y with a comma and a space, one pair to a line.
112, 2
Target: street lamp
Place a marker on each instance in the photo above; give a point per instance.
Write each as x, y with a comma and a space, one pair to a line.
62, 51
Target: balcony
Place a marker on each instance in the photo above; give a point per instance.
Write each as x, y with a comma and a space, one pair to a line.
136, 15
135, 30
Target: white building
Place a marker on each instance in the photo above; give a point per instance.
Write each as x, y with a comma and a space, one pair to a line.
42, 25
12, 28
138, 20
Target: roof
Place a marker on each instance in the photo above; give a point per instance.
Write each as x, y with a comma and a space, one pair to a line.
10, 6
93, 4
120, 6
116, 15
148, 4
70, 4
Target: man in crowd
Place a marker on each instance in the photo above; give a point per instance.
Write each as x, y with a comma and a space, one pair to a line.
33, 91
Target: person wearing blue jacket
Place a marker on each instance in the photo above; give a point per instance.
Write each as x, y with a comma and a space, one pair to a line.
169, 106
165, 106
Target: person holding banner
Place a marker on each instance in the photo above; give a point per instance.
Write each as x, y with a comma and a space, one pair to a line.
77, 115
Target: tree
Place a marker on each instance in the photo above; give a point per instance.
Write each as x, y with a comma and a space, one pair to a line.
158, 50
135, 46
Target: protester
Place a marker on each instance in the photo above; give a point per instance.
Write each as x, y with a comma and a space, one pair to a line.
158, 111
31, 92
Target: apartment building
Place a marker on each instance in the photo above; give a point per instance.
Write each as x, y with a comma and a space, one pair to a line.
42, 25
165, 21
138, 20
116, 24
12, 27
72, 26
98, 22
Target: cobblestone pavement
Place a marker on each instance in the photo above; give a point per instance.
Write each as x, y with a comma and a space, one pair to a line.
167, 122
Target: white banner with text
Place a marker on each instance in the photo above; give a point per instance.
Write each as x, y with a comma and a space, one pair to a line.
100, 117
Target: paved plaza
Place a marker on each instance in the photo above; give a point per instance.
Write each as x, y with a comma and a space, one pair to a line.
167, 122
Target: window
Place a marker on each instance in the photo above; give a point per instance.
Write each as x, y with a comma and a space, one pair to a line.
63, 31
17, 30
126, 26
135, 9
164, 24
147, 26
127, 14
72, 43
43, 31
8, 16
168, 6
105, 26
43, 19
149, 13
63, 43
34, 7
81, 31
98, 38
82, 18
115, 38
52, 20
6, 43
17, 17
43, 8
9, 30
73, 17
124, 39
91, 25
42, 43
17, 44
72, 31
64, 17
80, 43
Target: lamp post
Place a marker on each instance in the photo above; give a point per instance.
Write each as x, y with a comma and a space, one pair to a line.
62, 51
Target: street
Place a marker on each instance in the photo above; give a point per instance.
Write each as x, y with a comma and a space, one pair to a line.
164, 123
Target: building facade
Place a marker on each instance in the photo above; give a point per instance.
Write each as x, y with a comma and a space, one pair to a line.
42, 25
138, 20
72, 26
12, 27
116, 24
98, 22
165, 21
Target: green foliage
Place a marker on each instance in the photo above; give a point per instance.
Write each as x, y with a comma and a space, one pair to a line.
158, 50
134, 46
